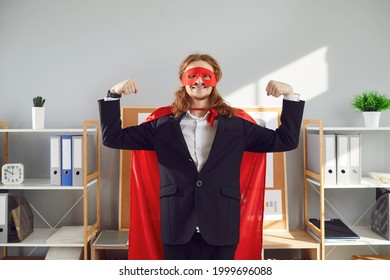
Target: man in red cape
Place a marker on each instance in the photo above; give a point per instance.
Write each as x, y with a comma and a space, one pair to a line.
208, 195
144, 232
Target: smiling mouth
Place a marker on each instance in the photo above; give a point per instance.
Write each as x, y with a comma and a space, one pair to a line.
199, 86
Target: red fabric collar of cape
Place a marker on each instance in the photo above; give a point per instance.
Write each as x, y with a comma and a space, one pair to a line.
144, 230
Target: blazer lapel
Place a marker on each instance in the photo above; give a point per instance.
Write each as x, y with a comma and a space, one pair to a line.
217, 141
180, 136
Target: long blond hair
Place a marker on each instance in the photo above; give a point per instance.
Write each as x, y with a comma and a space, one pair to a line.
182, 100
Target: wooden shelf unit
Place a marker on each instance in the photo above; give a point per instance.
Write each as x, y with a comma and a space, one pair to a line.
316, 181
40, 236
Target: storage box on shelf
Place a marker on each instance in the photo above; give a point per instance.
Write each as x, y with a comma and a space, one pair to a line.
351, 201
53, 206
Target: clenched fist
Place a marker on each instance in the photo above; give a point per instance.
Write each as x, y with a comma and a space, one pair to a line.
125, 87
277, 89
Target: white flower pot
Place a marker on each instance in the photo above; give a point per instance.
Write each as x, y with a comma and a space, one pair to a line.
371, 119
38, 117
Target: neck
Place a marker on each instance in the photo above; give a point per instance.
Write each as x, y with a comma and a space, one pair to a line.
197, 111
199, 104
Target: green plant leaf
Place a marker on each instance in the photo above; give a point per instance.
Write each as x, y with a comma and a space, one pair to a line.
369, 101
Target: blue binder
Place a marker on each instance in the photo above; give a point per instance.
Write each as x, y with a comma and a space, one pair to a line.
66, 161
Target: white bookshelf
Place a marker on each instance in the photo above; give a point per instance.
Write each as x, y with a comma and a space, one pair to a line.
352, 203
41, 187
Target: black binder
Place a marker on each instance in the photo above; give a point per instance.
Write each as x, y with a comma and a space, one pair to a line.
336, 229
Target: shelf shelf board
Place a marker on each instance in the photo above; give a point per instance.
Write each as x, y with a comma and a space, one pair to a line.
366, 183
349, 128
42, 184
367, 237
38, 239
294, 239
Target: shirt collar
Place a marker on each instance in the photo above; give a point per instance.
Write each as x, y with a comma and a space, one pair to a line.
188, 114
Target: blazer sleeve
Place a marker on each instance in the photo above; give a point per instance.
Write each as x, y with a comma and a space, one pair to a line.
284, 138
140, 137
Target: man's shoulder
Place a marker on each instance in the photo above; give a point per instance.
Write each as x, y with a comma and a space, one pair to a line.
159, 112
240, 113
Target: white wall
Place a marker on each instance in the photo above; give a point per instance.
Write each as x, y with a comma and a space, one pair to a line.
71, 52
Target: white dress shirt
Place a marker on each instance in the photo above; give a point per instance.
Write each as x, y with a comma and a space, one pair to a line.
199, 136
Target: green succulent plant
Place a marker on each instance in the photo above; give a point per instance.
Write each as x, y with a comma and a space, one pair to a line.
38, 101
371, 101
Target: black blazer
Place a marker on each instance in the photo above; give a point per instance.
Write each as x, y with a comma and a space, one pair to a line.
209, 198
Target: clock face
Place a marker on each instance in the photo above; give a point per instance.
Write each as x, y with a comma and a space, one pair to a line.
12, 173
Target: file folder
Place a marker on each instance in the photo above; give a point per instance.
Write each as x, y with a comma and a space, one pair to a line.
313, 156
355, 159
66, 162
77, 157
3, 217
330, 159
55, 160
342, 159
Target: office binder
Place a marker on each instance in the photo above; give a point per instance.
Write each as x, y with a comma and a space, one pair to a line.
313, 156
77, 158
3, 217
355, 159
55, 160
342, 159
66, 161
330, 159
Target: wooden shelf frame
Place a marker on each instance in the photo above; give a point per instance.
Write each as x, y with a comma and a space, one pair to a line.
39, 236
316, 181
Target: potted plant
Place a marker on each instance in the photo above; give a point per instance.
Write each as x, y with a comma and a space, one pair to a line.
38, 113
371, 103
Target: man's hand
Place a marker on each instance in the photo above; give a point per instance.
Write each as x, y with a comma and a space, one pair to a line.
277, 89
125, 87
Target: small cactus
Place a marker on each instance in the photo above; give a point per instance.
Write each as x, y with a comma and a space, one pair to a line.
38, 101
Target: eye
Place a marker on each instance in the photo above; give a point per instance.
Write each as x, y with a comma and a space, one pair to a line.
207, 77
191, 76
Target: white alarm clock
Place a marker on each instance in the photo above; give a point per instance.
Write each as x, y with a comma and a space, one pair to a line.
12, 173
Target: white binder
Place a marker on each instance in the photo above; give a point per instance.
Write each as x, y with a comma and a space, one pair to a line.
342, 159
77, 158
330, 159
55, 160
355, 159
313, 156
3, 217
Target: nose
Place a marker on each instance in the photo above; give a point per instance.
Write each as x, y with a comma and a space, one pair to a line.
199, 80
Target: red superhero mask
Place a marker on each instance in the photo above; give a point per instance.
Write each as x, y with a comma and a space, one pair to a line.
191, 76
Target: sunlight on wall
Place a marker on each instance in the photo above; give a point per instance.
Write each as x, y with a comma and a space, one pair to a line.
308, 76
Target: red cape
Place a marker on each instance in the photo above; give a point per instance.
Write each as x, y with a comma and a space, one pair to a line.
144, 233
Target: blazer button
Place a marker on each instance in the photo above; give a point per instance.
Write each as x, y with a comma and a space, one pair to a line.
199, 183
